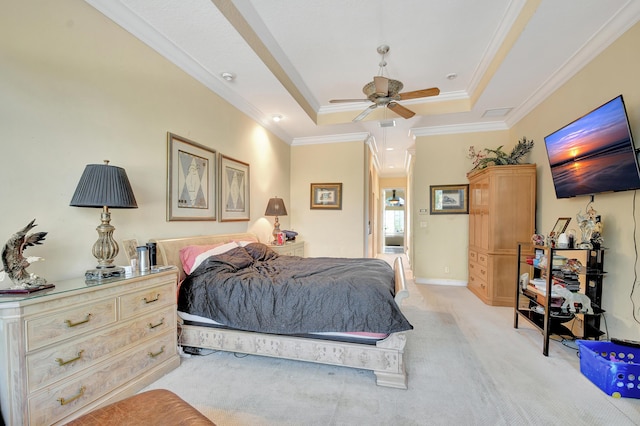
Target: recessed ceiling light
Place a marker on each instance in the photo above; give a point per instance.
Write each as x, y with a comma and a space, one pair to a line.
389, 149
276, 117
228, 76
452, 76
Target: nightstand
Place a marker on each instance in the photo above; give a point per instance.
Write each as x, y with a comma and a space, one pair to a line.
82, 345
290, 248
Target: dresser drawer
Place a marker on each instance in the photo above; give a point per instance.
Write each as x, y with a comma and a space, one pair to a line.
55, 403
47, 329
473, 256
49, 365
147, 300
482, 259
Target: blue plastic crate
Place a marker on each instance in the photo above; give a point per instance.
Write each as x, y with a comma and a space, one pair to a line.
613, 368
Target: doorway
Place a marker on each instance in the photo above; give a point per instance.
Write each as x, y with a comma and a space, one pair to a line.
393, 220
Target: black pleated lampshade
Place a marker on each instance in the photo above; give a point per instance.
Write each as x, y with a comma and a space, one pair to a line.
275, 207
104, 185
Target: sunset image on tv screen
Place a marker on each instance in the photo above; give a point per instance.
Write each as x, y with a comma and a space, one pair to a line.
594, 154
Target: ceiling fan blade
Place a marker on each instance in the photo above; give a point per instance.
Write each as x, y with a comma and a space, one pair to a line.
366, 112
336, 101
382, 85
434, 91
400, 110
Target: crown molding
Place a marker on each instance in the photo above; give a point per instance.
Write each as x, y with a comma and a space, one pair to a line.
459, 128
347, 137
121, 15
626, 17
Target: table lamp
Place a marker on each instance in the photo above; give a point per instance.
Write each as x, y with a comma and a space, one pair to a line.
276, 208
104, 186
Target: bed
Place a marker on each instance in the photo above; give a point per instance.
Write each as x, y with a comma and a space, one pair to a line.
381, 353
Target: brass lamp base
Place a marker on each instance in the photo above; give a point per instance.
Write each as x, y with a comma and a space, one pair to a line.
276, 231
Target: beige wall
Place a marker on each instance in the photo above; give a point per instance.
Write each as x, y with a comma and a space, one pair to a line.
613, 72
77, 89
442, 241
372, 217
393, 182
330, 232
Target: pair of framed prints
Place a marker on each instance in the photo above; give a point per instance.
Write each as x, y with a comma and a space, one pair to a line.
203, 184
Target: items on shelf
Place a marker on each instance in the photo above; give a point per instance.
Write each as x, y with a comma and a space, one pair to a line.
564, 293
573, 302
591, 227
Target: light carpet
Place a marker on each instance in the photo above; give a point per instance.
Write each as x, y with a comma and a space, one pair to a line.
466, 365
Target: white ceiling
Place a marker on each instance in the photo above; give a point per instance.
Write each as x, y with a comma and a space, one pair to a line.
290, 57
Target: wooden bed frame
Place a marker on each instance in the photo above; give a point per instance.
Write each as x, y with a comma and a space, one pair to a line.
385, 358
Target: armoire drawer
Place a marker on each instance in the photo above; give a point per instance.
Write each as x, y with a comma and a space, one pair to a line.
480, 285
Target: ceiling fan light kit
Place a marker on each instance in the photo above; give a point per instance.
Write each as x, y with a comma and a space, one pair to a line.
384, 92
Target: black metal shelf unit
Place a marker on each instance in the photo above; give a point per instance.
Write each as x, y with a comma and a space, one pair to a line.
541, 308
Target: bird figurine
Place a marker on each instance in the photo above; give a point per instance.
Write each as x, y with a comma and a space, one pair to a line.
15, 264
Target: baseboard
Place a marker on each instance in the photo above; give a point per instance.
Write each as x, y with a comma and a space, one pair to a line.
441, 281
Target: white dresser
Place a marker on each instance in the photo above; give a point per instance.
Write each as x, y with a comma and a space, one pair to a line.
79, 346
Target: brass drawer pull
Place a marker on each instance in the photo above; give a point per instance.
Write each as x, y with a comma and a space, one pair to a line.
157, 325
73, 398
153, 355
73, 324
152, 300
61, 362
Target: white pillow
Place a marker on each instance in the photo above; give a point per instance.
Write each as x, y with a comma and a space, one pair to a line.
216, 250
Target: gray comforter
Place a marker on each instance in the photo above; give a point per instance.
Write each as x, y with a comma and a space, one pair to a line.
253, 288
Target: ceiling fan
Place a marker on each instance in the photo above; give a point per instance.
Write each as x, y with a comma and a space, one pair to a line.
385, 92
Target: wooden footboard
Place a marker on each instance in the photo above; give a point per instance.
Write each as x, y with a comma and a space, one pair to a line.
385, 359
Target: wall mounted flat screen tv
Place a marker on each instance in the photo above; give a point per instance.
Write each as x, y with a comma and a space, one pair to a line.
594, 154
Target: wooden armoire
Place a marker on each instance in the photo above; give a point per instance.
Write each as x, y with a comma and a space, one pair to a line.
502, 212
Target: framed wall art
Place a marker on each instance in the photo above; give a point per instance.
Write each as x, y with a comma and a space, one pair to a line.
234, 190
327, 196
191, 180
560, 226
449, 199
